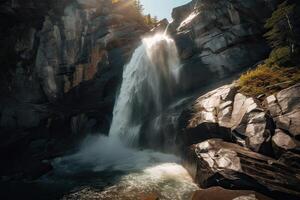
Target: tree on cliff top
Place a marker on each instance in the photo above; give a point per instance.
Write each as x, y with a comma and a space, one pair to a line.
139, 7
283, 34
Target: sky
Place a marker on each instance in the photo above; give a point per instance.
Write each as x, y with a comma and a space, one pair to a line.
161, 8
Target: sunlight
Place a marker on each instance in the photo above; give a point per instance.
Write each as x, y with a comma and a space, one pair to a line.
188, 20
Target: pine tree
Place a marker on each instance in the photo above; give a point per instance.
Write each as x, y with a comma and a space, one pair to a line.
154, 19
283, 35
280, 26
148, 19
139, 6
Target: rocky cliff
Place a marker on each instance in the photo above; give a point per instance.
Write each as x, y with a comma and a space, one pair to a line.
61, 63
219, 38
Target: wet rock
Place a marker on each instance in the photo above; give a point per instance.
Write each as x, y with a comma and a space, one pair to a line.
218, 193
215, 162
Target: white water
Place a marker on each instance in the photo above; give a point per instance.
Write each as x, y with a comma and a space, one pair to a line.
149, 80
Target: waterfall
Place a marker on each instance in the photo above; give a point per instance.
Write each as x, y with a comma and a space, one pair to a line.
148, 84
149, 81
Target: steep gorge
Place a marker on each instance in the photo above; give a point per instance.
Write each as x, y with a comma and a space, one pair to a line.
63, 68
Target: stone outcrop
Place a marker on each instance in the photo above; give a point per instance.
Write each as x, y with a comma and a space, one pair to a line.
283, 142
63, 63
215, 162
227, 114
217, 38
224, 113
240, 142
284, 107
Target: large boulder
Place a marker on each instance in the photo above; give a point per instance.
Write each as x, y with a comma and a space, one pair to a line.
200, 121
224, 113
215, 162
282, 142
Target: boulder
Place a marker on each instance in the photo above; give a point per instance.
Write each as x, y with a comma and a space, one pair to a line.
282, 142
215, 162
284, 107
226, 114
218, 193
205, 119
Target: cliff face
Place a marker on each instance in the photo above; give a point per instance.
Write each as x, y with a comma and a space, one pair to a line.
61, 66
219, 38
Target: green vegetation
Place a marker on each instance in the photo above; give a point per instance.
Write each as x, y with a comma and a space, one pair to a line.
281, 68
265, 80
284, 35
136, 12
149, 20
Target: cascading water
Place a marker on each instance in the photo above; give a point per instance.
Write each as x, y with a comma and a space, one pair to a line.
149, 81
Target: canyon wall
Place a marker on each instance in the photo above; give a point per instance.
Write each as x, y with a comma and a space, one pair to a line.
219, 38
61, 65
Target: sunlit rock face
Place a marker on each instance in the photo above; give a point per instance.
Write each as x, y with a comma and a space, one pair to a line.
229, 115
218, 38
224, 113
63, 63
235, 141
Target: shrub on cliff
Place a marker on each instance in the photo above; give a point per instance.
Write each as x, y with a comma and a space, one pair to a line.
266, 80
